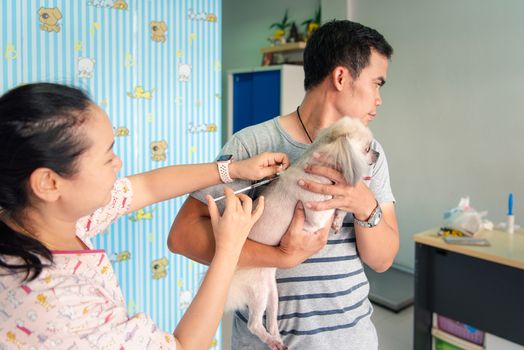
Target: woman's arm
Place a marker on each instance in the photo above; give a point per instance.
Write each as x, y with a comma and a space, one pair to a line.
173, 181
200, 322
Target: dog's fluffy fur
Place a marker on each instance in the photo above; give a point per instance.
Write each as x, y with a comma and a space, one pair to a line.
344, 146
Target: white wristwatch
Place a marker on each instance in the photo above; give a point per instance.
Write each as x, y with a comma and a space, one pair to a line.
223, 168
372, 220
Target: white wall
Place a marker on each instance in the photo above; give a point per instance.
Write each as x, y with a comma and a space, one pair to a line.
452, 118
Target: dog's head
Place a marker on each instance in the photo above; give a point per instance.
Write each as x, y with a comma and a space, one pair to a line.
49, 16
345, 146
158, 27
159, 264
158, 147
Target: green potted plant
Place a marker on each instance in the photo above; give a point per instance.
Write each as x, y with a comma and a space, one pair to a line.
313, 23
279, 34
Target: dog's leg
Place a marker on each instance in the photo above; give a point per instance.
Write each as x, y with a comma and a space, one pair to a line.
272, 314
257, 305
272, 311
338, 220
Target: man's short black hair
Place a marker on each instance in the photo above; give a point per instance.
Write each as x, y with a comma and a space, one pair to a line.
341, 43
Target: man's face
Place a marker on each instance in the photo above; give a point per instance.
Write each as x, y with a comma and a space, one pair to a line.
361, 96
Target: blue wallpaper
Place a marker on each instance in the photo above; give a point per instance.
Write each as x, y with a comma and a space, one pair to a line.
154, 66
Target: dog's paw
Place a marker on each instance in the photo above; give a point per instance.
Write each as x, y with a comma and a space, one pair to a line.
276, 344
337, 224
338, 220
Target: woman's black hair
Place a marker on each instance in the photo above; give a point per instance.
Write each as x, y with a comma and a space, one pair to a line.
39, 128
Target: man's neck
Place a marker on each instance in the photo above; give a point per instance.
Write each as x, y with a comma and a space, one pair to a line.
316, 113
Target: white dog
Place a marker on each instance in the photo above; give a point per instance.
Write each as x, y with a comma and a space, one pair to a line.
344, 146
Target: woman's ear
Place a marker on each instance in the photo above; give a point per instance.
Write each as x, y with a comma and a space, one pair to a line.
339, 77
44, 184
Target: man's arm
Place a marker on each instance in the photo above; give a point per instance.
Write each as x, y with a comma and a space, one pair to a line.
377, 246
191, 235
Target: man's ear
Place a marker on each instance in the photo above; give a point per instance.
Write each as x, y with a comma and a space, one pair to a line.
339, 77
44, 184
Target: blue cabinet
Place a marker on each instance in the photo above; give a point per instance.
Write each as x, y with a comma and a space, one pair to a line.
257, 95
256, 98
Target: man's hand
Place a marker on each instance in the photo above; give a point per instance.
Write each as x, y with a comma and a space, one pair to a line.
357, 199
297, 245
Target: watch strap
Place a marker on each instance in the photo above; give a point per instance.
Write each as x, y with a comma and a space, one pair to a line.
370, 221
223, 172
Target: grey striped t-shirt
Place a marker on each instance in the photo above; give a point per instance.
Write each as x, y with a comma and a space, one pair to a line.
323, 303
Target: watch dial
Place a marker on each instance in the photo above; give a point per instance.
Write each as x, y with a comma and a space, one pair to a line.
224, 157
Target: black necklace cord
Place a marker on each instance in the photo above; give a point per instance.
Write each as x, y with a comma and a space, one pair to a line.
303, 126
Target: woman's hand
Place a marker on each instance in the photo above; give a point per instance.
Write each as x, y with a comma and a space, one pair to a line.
258, 167
232, 228
357, 199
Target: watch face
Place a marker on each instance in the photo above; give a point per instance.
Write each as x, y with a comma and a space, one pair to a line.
376, 218
225, 158
373, 220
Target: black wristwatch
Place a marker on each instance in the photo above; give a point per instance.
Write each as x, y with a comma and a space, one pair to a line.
372, 220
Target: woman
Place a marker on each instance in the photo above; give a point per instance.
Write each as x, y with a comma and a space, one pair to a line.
58, 188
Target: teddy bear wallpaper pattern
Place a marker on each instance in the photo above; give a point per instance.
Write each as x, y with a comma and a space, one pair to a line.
154, 66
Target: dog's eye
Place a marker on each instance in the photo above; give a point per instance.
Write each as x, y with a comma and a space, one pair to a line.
155, 148
45, 16
155, 28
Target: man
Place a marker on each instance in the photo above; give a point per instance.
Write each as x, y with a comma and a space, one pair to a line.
323, 301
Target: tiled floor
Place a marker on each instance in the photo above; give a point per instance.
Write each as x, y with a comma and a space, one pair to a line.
395, 330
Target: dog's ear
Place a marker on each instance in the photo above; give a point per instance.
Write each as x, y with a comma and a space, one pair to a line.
56, 13
346, 158
342, 143
359, 167
349, 157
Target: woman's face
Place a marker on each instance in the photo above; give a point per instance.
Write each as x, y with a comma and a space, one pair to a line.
97, 168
